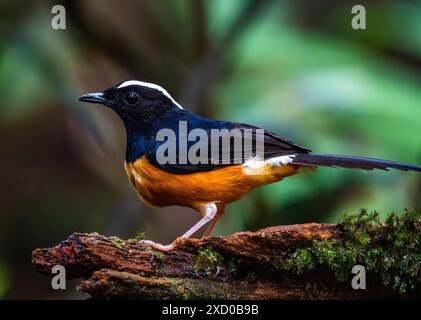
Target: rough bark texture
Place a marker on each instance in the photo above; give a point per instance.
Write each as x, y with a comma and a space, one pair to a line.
242, 268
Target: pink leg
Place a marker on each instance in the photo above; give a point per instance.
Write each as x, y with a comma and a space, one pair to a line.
220, 212
209, 214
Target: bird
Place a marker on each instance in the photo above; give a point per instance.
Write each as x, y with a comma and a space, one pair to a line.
176, 157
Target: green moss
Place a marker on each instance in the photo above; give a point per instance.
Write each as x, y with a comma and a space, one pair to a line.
157, 256
138, 237
188, 289
391, 250
208, 261
232, 268
117, 242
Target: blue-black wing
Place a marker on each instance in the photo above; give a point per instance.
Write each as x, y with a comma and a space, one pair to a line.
251, 146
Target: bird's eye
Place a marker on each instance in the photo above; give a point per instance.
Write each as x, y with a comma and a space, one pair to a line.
131, 97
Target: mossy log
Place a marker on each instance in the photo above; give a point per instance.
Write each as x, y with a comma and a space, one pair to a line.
244, 265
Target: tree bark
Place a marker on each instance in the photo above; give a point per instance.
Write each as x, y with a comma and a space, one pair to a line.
239, 266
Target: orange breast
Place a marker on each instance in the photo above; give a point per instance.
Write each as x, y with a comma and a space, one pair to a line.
161, 188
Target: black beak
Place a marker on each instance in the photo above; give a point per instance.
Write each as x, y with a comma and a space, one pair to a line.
97, 97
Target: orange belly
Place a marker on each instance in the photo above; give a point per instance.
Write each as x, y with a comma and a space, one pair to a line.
161, 188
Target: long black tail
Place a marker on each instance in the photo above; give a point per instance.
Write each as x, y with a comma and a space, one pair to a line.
331, 160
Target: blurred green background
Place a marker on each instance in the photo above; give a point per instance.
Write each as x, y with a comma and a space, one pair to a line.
295, 67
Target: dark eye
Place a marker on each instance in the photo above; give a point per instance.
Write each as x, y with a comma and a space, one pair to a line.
131, 97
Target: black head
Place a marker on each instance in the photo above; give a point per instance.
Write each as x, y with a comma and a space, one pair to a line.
135, 101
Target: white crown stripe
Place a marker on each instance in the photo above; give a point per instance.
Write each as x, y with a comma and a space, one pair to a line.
149, 85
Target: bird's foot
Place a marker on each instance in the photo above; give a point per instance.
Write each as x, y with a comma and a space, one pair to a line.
157, 246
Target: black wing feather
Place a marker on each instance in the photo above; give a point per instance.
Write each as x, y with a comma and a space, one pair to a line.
274, 145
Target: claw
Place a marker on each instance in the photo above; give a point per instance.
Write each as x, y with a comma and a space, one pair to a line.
157, 246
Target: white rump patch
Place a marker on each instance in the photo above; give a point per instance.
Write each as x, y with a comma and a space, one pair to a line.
255, 165
281, 160
149, 85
